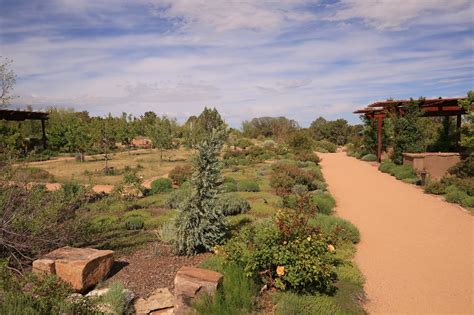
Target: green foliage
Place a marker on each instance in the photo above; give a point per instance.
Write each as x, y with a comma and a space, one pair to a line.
285, 175
404, 172
161, 185
232, 204
467, 132
229, 187
103, 223
200, 225
269, 127
134, 223
307, 157
468, 202
464, 184
299, 189
335, 131
181, 174
161, 133
248, 185
324, 202
455, 195
244, 143
369, 136
296, 304
435, 188
464, 168
387, 166
115, 298
300, 141
177, 198
408, 133
369, 157
325, 146
336, 227
237, 295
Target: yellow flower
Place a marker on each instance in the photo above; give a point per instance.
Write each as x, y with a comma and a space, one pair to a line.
331, 248
280, 270
284, 242
309, 238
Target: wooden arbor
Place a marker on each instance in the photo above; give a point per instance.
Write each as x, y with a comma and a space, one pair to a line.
19, 115
430, 107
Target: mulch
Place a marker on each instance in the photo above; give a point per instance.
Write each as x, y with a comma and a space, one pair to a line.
152, 267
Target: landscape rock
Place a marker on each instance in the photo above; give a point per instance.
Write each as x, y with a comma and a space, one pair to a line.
80, 267
191, 282
161, 301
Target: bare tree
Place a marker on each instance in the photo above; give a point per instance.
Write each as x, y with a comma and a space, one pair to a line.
7, 81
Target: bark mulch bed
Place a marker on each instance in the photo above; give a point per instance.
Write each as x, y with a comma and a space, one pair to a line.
152, 267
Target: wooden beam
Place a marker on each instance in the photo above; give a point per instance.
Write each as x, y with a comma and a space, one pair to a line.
379, 139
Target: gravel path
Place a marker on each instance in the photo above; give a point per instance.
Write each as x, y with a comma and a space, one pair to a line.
417, 251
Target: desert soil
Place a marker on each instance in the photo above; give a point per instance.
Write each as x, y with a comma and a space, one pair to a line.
416, 250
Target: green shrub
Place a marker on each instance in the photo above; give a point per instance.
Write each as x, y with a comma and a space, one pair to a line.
451, 188
181, 174
324, 202
229, 187
436, 188
297, 264
387, 166
244, 143
282, 182
232, 204
337, 227
248, 185
115, 298
319, 185
167, 232
299, 189
369, 157
305, 164
134, 223
456, 196
103, 223
404, 171
288, 303
236, 296
324, 146
464, 184
307, 157
411, 180
468, 202
177, 197
161, 185
228, 179
463, 169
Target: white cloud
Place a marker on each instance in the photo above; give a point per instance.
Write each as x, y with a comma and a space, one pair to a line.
396, 15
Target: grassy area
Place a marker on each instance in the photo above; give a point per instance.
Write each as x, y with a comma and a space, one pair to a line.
69, 170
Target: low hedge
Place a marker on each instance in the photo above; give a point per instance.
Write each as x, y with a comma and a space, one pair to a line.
324, 202
232, 204
161, 185
248, 185
369, 157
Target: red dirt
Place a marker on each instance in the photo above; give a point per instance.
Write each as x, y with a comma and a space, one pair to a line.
416, 252
150, 268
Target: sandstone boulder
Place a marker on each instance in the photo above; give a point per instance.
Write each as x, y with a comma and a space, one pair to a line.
191, 282
161, 301
81, 267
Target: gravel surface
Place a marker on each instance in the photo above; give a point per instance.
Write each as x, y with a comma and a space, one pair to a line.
150, 268
416, 250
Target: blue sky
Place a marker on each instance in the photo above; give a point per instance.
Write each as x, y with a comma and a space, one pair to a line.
297, 58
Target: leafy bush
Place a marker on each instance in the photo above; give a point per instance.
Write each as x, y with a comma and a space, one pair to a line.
115, 298
319, 185
411, 180
229, 187
248, 185
336, 227
103, 223
404, 171
299, 189
286, 175
455, 195
463, 169
325, 146
134, 223
161, 185
177, 198
387, 166
307, 157
468, 202
324, 202
167, 232
288, 303
301, 264
435, 188
464, 184
236, 296
269, 144
232, 204
282, 182
180, 174
300, 141
244, 143
369, 157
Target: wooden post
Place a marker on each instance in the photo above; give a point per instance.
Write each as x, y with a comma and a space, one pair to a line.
43, 130
379, 139
458, 130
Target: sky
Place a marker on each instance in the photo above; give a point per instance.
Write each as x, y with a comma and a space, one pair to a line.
296, 58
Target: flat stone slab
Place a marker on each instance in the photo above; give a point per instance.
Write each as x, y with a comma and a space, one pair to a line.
161, 301
190, 282
80, 267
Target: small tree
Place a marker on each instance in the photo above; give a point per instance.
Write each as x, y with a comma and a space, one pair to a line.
7, 81
161, 134
467, 139
126, 130
200, 224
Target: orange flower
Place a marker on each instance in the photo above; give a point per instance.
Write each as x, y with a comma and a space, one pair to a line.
331, 248
280, 270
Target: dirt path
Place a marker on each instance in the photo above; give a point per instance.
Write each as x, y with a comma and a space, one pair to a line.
417, 251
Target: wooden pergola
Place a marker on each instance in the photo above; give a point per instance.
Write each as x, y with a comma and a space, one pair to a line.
20, 115
430, 108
